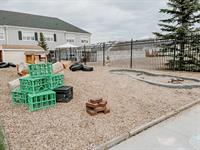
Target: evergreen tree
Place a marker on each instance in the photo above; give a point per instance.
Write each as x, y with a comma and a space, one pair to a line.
42, 42
185, 15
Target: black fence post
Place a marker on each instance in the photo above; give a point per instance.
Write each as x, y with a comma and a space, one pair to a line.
59, 55
70, 54
131, 59
174, 56
84, 55
55, 55
103, 54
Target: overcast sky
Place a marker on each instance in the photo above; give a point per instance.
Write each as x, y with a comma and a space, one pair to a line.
105, 19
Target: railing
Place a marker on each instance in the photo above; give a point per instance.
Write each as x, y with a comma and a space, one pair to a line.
173, 54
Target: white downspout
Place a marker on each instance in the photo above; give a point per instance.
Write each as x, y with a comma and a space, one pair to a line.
6, 35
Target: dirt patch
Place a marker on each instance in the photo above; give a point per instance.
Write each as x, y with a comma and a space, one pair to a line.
68, 126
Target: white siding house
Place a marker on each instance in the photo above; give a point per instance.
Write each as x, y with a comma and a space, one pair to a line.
15, 53
24, 29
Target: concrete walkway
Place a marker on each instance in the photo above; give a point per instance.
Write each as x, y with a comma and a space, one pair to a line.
181, 132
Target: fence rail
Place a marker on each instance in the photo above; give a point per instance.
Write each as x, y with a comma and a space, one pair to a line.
172, 54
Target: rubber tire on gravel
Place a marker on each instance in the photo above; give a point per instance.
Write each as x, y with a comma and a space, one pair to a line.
11, 64
85, 68
4, 65
77, 67
1, 63
77, 63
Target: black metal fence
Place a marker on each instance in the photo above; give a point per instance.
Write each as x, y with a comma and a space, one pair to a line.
173, 54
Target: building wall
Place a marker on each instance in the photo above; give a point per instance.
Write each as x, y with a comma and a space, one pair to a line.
14, 56
120, 55
11, 36
2, 35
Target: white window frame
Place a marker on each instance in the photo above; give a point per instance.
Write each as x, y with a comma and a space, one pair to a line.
84, 41
2, 33
70, 40
28, 36
49, 37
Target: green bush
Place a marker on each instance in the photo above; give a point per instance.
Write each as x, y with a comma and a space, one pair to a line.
2, 146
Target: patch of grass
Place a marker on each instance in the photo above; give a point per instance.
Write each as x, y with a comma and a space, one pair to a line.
2, 146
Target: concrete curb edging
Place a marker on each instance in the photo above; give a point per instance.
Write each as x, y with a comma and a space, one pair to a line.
152, 82
113, 142
133, 132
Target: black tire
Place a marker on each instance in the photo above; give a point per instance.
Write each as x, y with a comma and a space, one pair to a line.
77, 63
77, 67
11, 64
4, 65
85, 68
1, 63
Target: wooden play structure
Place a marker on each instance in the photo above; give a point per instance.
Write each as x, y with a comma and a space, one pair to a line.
33, 57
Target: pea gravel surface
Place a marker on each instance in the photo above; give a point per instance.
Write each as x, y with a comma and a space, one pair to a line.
68, 126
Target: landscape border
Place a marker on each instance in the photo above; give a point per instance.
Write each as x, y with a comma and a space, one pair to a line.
115, 141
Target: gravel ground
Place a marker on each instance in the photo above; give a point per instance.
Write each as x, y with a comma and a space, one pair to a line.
68, 126
138, 63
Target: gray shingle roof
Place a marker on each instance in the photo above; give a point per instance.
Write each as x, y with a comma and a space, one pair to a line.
36, 21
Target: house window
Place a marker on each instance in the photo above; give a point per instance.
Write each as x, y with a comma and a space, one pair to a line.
70, 40
84, 41
55, 38
49, 37
1, 34
28, 36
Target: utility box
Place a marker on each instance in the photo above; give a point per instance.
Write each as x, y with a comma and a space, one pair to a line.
64, 94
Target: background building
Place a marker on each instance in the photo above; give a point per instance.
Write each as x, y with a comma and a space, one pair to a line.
24, 29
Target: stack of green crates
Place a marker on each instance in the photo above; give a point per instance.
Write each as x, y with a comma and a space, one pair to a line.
36, 90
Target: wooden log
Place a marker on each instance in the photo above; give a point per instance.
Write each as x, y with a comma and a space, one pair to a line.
103, 103
100, 109
107, 110
14, 84
57, 67
91, 105
97, 100
91, 111
66, 64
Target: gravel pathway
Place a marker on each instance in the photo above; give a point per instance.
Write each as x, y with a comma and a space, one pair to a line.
68, 126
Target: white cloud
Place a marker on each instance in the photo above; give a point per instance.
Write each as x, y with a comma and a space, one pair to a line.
105, 19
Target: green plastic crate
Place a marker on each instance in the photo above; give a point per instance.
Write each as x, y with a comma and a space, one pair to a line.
33, 85
40, 70
41, 100
19, 97
55, 81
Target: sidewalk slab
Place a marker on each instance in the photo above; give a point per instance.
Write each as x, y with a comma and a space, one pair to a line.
181, 132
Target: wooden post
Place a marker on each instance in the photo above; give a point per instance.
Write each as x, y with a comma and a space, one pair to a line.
59, 55
104, 54
131, 59
84, 55
174, 59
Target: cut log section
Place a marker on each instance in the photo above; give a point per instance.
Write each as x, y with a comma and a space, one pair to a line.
100, 109
103, 103
98, 100
91, 105
95, 106
91, 112
106, 111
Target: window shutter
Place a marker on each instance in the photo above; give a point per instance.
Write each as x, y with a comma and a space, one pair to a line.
54, 37
20, 35
36, 36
